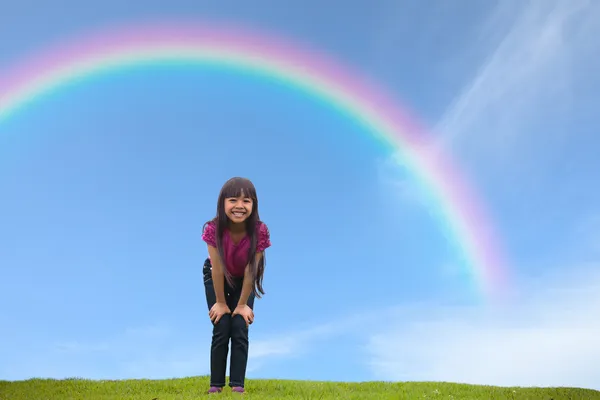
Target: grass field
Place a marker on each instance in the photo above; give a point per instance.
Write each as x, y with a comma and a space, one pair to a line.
195, 388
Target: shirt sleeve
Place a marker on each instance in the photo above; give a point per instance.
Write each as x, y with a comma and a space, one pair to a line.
209, 235
264, 238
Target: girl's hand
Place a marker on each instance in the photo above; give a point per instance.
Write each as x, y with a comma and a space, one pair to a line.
246, 313
217, 311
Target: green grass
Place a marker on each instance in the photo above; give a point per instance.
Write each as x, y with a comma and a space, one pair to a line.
195, 388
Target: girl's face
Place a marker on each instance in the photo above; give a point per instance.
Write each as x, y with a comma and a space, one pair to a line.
238, 209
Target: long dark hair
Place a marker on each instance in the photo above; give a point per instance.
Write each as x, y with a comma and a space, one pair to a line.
236, 187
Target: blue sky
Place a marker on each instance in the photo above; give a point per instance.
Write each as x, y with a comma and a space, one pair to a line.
106, 186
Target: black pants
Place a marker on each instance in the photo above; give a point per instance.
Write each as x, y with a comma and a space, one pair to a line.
227, 328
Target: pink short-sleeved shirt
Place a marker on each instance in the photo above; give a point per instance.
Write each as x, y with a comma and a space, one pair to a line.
236, 255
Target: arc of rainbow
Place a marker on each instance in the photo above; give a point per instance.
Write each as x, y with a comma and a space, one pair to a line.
279, 61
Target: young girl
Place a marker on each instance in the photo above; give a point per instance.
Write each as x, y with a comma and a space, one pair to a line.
233, 274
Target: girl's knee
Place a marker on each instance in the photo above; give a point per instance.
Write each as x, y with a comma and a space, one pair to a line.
224, 323
238, 325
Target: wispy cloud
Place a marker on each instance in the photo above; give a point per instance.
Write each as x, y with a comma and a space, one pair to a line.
154, 352
532, 66
393, 178
551, 337
526, 85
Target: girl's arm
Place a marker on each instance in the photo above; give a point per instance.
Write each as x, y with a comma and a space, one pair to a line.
248, 283
218, 276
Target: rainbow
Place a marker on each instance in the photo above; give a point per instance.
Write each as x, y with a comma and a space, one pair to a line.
299, 69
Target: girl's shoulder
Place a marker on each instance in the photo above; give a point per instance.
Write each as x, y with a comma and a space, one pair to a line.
209, 233
262, 228
264, 236
210, 225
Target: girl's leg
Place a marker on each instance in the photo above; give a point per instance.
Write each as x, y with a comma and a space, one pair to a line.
239, 341
221, 334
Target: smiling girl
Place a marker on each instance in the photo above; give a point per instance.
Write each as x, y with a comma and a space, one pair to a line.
233, 274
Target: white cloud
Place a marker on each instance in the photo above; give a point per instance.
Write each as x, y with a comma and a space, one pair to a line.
526, 87
518, 103
291, 343
153, 352
520, 98
550, 337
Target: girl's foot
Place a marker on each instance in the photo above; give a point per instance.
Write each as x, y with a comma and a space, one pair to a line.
215, 389
238, 389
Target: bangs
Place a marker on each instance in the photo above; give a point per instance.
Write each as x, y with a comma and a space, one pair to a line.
236, 187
